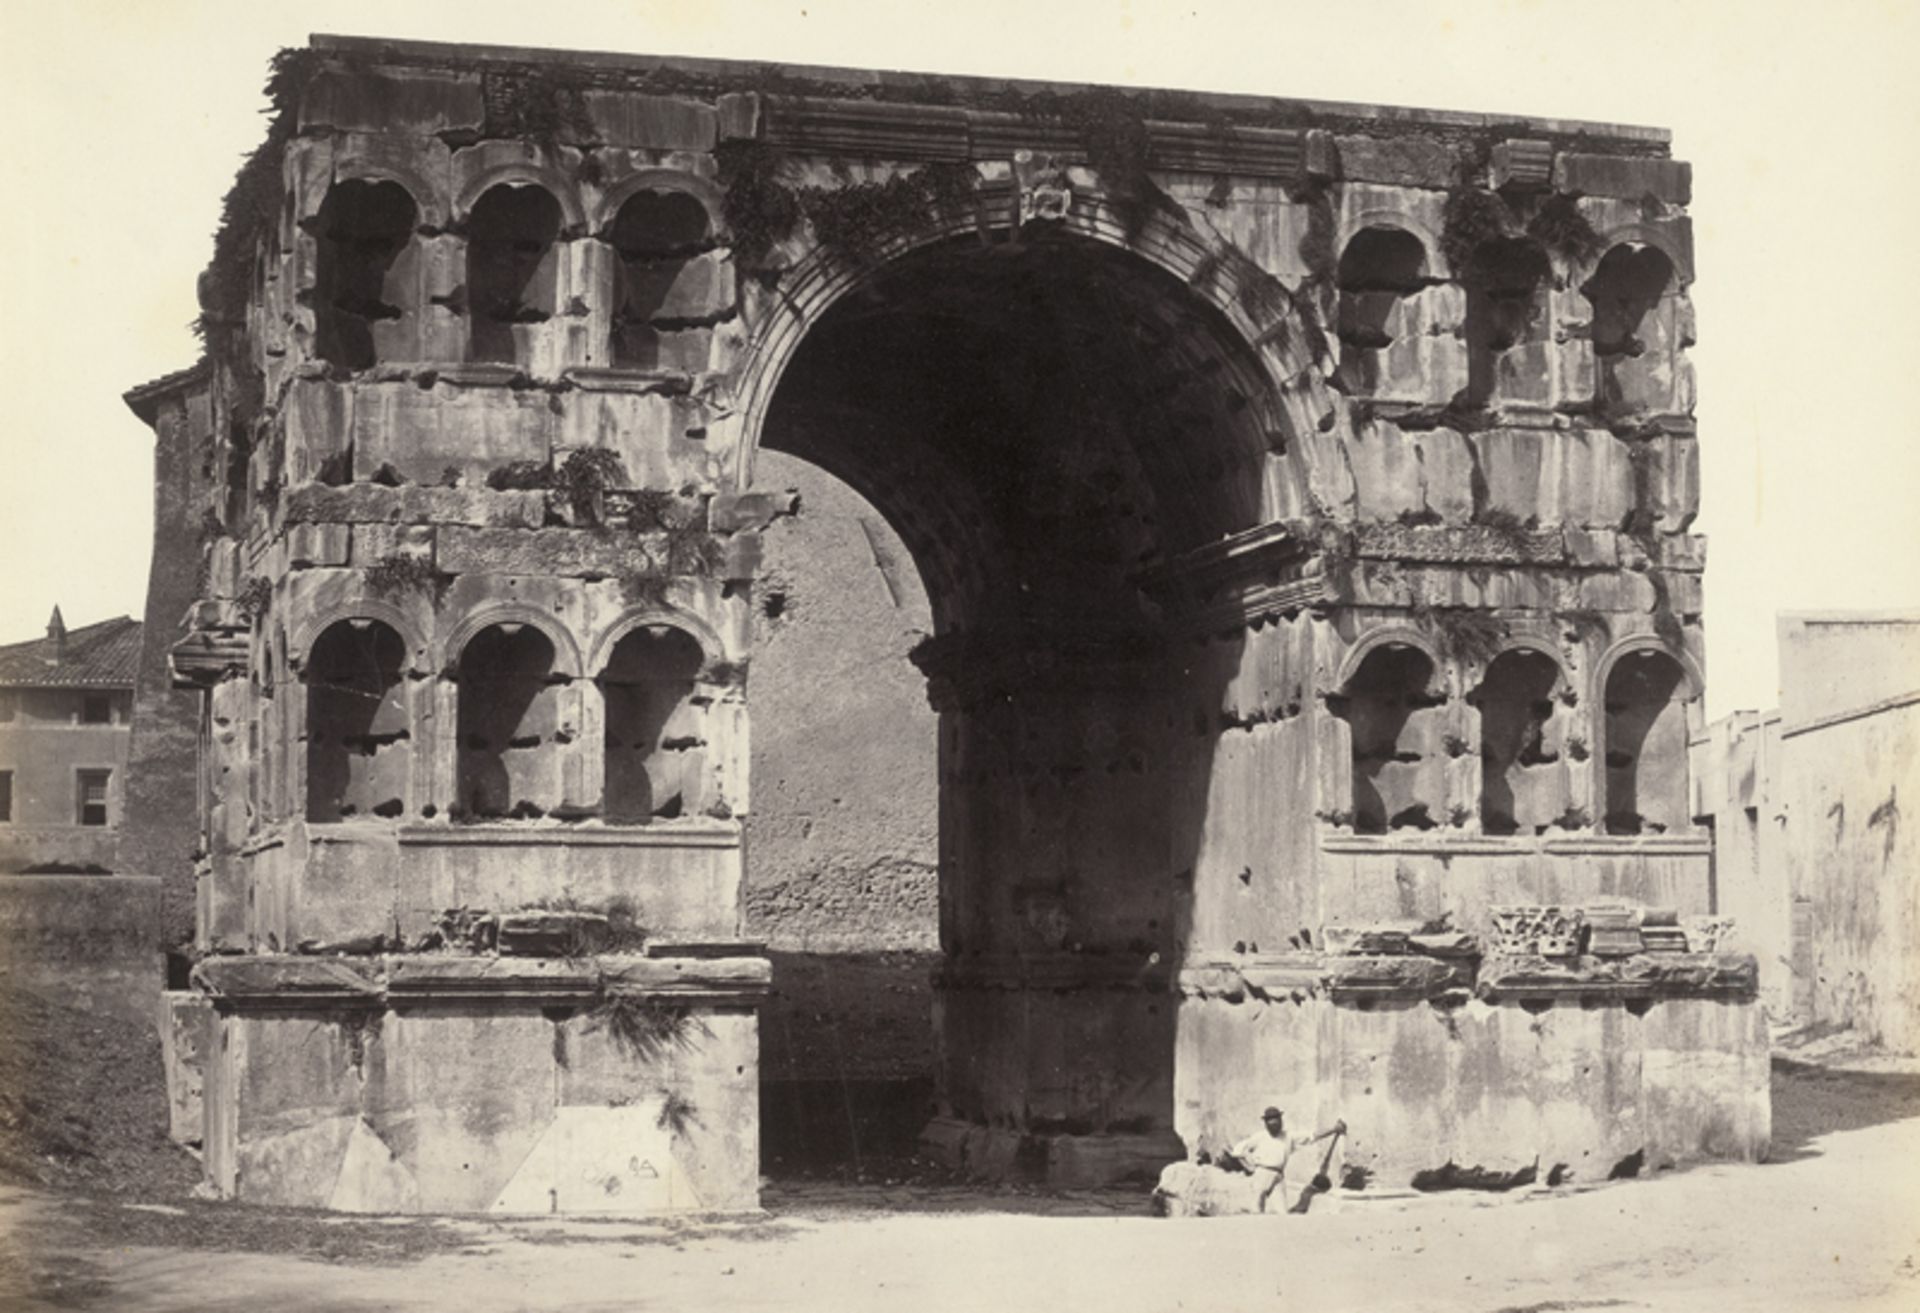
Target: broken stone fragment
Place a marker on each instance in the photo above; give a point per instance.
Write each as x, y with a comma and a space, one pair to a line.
1407, 161
750, 510
1628, 179
317, 544
1521, 164
1444, 943
623, 118
553, 934
1203, 1190
1350, 978
1381, 939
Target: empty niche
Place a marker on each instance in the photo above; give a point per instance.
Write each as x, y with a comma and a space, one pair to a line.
1632, 337
1380, 268
509, 745
357, 730
1646, 745
512, 268
654, 745
1523, 788
1390, 708
654, 235
1506, 283
364, 270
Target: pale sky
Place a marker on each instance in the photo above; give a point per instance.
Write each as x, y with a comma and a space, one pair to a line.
128, 119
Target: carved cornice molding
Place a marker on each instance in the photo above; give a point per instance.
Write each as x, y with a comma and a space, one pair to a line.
1049, 971
892, 130
1260, 572
1361, 979
283, 982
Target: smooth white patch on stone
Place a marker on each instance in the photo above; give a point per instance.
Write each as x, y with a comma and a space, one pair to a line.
601, 1160
372, 1178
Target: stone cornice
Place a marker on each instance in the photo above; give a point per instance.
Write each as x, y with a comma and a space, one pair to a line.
1518, 845
661, 74
508, 834
1643, 976
1359, 978
1023, 971
287, 982
1260, 572
893, 130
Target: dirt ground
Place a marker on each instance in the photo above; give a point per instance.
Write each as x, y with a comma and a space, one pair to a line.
100, 1215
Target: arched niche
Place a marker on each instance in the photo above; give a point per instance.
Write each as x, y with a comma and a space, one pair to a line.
1506, 280
1644, 744
1636, 335
359, 737
366, 277
513, 269
658, 236
654, 738
508, 761
1523, 775
1392, 704
1378, 268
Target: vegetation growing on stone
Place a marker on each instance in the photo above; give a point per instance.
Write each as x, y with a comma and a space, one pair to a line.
859, 219
1467, 636
1559, 226
642, 1028
399, 573
256, 597
1473, 217
584, 478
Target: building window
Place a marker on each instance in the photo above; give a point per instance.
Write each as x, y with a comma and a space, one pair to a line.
92, 791
9, 706
96, 709
6, 796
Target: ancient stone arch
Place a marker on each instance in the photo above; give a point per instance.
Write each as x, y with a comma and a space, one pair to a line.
1081, 352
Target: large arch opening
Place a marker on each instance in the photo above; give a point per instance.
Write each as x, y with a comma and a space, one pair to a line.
1045, 425
843, 835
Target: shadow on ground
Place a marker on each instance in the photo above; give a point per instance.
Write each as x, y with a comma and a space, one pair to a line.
1811, 1101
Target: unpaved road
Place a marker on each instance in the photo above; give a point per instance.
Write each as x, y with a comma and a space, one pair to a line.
1836, 1225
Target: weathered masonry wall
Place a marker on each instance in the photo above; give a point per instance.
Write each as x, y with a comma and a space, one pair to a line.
87, 939
1303, 498
842, 840
1807, 804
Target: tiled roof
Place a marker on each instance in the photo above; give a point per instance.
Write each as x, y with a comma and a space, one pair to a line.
104, 655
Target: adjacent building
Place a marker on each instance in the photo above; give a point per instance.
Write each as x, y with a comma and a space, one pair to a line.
1814, 864
65, 708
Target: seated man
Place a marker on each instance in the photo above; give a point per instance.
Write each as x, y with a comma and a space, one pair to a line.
1265, 1154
